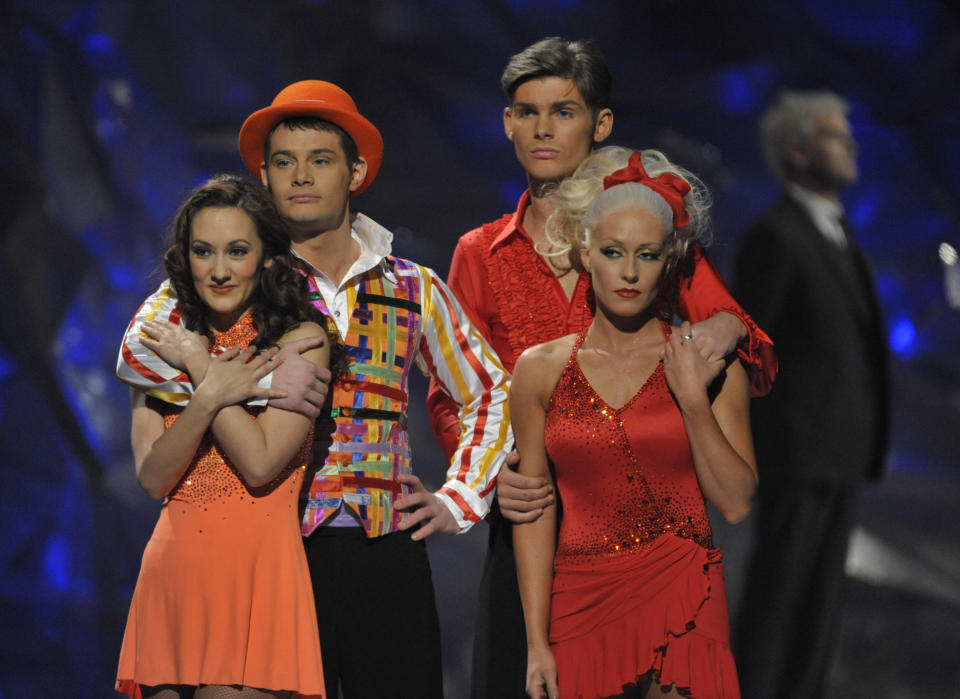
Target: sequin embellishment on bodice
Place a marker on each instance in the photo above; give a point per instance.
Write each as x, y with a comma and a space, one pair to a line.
625, 475
212, 477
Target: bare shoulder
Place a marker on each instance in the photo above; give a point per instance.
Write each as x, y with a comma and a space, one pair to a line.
738, 373
540, 366
553, 351
735, 387
305, 329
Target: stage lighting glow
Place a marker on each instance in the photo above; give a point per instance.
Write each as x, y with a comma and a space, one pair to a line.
948, 254
122, 277
864, 210
7, 365
903, 337
56, 562
98, 43
737, 92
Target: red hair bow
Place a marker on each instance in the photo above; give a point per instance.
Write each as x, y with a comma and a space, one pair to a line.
669, 186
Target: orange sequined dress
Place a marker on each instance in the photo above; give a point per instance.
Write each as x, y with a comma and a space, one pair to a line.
638, 587
224, 593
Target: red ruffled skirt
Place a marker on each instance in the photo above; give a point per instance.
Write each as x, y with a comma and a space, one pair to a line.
659, 611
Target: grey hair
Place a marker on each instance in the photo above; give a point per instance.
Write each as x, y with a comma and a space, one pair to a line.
628, 195
789, 123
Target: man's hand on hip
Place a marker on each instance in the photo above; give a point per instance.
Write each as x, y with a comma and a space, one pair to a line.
426, 507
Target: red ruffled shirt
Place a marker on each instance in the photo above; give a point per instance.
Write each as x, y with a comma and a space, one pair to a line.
516, 301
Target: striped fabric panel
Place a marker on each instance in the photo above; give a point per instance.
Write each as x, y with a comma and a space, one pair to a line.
139, 366
369, 406
466, 367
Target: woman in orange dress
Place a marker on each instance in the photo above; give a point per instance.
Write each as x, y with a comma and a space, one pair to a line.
627, 599
223, 605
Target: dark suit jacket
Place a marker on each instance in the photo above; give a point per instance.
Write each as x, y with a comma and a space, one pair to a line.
827, 417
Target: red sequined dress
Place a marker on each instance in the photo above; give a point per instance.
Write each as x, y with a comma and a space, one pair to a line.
638, 587
224, 593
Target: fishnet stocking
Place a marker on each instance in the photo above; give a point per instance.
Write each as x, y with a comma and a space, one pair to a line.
209, 691
167, 691
219, 691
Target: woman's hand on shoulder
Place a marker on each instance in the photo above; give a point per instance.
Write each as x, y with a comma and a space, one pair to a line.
173, 343
233, 377
718, 335
688, 374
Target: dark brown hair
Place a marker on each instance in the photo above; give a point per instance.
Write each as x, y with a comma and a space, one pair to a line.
579, 61
281, 299
303, 123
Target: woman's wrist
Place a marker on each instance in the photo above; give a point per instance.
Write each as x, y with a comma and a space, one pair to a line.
206, 399
196, 364
538, 643
693, 401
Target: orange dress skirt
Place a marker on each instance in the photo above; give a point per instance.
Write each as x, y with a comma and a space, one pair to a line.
224, 594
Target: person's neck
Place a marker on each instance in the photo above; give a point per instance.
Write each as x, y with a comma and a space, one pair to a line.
541, 203
221, 323
617, 335
332, 251
828, 192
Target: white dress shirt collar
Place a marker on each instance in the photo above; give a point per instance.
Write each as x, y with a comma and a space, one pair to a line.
375, 244
825, 213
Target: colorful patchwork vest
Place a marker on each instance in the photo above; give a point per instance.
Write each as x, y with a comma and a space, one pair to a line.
368, 446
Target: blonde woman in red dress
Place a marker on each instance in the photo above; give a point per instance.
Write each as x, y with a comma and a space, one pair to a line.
627, 599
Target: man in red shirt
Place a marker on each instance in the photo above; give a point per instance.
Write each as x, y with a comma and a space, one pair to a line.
518, 295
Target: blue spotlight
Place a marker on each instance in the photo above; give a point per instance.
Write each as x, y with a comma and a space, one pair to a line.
122, 276
864, 210
56, 562
100, 44
7, 365
737, 93
903, 337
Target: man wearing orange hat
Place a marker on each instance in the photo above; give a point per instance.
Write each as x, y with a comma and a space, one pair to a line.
379, 631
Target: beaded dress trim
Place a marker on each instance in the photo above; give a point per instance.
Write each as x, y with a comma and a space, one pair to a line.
577, 414
211, 477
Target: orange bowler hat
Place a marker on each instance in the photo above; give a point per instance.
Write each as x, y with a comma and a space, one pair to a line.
316, 98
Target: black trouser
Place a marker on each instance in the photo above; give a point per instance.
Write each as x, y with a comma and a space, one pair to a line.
787, 627
500, 644
379, 629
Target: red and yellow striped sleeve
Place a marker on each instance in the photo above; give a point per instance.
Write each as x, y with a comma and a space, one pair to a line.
140, 367
454, 353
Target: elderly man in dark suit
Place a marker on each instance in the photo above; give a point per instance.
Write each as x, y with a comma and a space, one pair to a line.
823, 429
